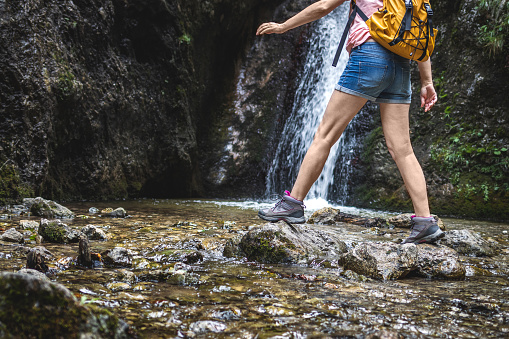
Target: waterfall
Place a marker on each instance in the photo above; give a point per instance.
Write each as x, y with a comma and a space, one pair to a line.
316, 85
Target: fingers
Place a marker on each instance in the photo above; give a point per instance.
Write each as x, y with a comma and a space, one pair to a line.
428, 97
268, 28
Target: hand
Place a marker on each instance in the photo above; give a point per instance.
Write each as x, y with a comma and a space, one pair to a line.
269, 28
428, 97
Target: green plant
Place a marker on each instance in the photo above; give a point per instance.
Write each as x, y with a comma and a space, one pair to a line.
185, 38
496, 29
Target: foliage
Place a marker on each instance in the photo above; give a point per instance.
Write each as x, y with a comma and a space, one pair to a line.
496, 28
478, 164
12, 190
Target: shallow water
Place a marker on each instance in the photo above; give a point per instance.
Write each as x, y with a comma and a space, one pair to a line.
219, 297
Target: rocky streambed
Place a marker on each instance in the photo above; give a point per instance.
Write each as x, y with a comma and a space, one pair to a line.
173, 268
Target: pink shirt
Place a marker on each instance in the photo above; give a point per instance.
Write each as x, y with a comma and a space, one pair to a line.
359, 32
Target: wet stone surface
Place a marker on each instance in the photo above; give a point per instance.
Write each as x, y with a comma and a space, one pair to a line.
172, 279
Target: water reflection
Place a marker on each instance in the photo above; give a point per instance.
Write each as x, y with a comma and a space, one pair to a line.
169, 293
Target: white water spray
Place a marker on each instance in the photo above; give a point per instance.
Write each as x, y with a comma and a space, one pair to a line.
316, 85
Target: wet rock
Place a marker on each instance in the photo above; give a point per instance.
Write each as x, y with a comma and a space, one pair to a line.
57, 232
190, 244
118, 256
126, 276
84, 257
35, 273
36, 260
94, 233
439, 262
118, 286
93, 210
332, 216
384, 334
114, 213
283, 243
231, 248
385, 261
47, 208
29, 225
405, 221
42, 251
469, 243
192, 258
11, 235
50, 310
206, 326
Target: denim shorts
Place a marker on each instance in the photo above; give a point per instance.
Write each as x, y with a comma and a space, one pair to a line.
376, 74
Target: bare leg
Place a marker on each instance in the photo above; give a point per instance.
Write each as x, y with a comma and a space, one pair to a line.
395, 124
341, 109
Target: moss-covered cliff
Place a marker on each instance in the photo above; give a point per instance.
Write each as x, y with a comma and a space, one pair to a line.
110, 99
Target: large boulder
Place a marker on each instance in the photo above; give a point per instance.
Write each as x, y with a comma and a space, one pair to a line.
378, 260
47, 208
32, 307
284, 243
469, 243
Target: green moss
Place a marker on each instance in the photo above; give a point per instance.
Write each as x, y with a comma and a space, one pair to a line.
12, 190
53, 232
263, 247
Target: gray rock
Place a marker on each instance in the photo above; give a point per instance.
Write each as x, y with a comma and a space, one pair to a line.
439, 262
282, 243
469, 243
118, 256
35, 273
94, 233
42, 251
58, 232
53, 311
114, 213
332, 216
11, 235
29, 225
205, 326
377, 260
47, 208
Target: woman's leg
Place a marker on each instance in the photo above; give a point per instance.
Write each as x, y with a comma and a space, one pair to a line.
395, 124
341, 109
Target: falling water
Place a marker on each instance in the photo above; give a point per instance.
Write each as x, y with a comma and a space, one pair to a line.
315, 88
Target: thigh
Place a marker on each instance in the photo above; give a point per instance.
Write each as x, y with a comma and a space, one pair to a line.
341, 109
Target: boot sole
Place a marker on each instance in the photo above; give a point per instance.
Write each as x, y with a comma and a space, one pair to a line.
431, 238
291, 220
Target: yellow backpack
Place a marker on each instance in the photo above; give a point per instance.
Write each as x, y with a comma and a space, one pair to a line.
404, 27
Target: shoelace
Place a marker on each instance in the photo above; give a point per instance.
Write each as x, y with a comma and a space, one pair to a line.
281, 200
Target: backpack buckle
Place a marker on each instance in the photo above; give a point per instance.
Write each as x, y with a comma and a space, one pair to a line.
428, 9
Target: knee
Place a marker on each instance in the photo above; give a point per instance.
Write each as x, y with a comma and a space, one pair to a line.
400, 150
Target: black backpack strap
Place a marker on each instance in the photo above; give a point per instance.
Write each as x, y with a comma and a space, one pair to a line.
355, 10
406, 23
429, 20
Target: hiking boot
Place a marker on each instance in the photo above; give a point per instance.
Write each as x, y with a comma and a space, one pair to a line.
288, 209
424, 230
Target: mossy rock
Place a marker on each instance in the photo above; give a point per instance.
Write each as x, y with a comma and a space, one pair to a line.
31, 307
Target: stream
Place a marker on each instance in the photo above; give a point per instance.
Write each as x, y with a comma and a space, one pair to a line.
231, 297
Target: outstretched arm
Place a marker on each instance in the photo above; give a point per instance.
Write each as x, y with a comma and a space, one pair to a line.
313, 12
428, 94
